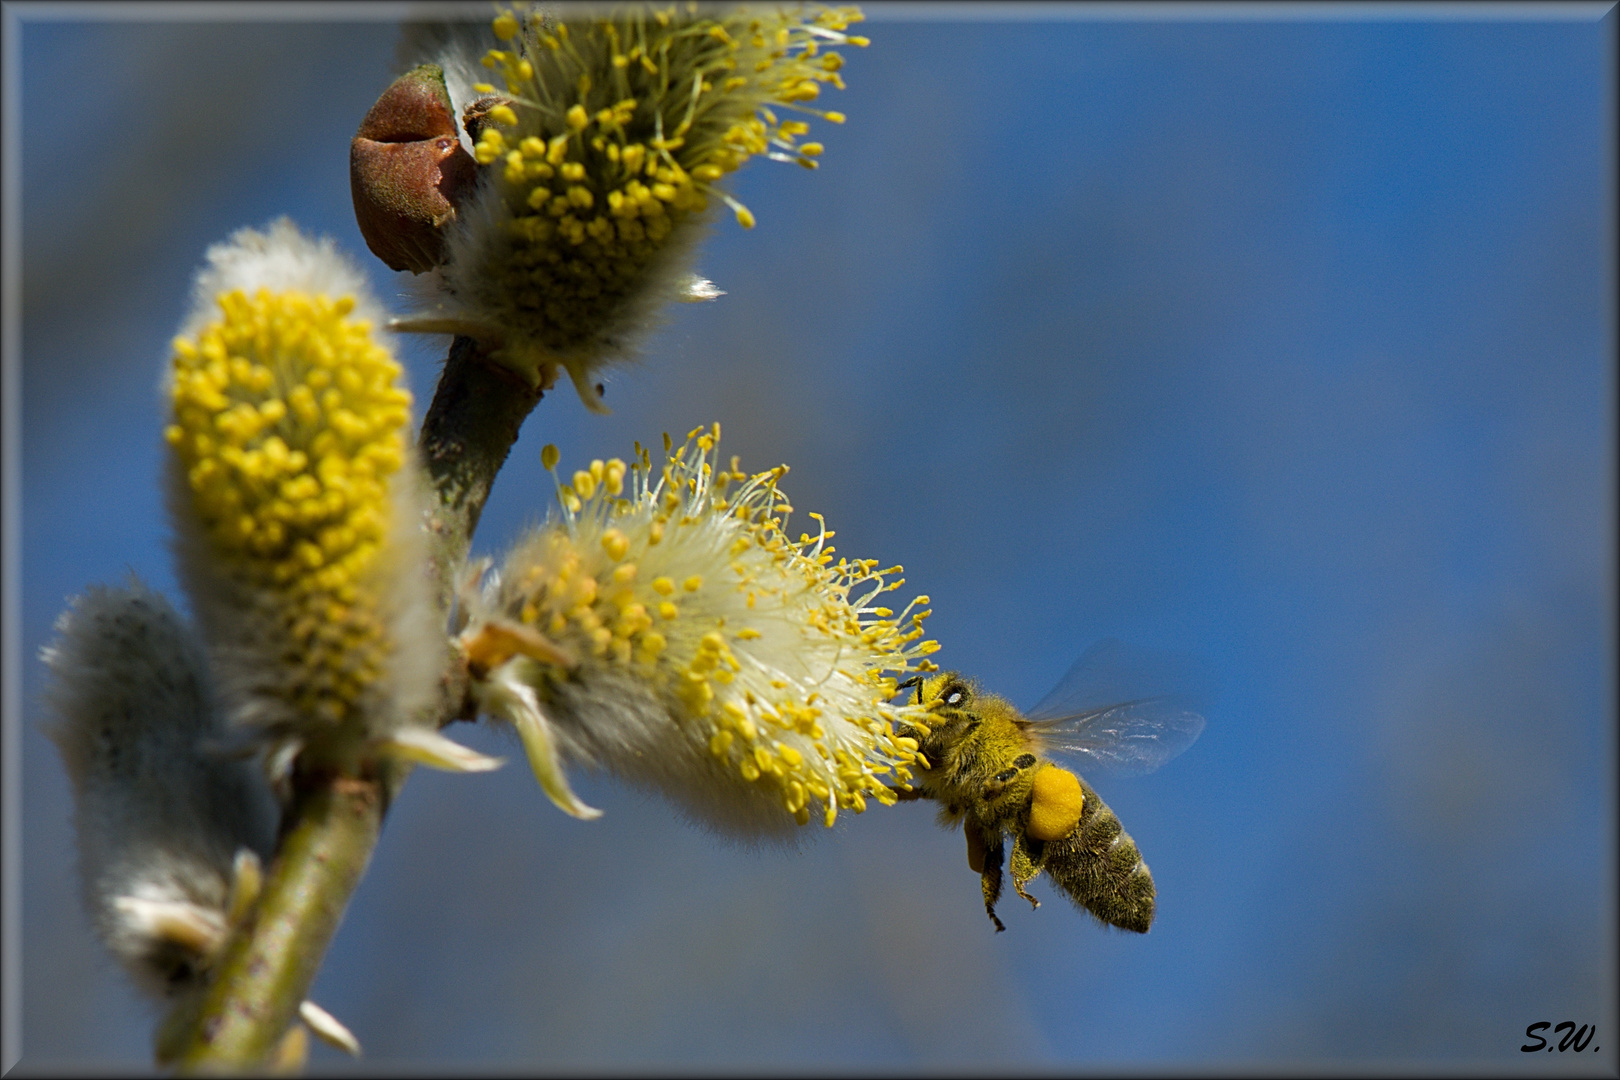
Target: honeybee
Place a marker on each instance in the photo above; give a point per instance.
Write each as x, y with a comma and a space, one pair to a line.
985, 764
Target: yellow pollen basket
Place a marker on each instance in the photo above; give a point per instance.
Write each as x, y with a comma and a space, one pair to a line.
288, 429
1055, 804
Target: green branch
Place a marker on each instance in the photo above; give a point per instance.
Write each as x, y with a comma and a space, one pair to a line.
267, 969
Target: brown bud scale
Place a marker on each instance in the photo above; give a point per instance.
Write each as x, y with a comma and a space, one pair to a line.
408, 172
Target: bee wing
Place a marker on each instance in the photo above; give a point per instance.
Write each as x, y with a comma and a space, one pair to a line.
1100, 716
1129, 739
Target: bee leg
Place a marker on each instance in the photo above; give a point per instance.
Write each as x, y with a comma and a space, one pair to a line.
1026, 866
906, 795
989, 867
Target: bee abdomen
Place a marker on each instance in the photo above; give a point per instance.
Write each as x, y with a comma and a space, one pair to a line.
1098, 865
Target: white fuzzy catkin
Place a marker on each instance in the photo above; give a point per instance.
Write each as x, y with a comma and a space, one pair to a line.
295, 495
667, 628
604, 137
161, 812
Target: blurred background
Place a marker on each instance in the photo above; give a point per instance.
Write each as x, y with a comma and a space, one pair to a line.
1288, 344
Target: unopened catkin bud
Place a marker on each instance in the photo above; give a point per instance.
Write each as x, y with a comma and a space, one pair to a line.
408, 171
166, 821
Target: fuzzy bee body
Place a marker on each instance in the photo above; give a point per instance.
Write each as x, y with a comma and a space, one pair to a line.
1096, 863
988, 769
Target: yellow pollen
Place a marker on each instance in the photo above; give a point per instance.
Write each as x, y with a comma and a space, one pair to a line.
815, 742
293, 493
639, 123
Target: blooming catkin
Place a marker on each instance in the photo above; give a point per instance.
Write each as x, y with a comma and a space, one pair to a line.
163, 817
604, 139
666, 627
295, 498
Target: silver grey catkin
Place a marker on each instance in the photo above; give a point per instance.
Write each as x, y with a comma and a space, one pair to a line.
161, 813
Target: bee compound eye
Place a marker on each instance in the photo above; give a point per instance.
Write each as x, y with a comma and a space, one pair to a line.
954, 695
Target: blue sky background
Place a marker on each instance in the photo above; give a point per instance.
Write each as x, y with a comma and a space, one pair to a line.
1286, 344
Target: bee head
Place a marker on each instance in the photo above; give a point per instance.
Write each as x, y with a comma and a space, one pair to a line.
945, 691
947, 696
